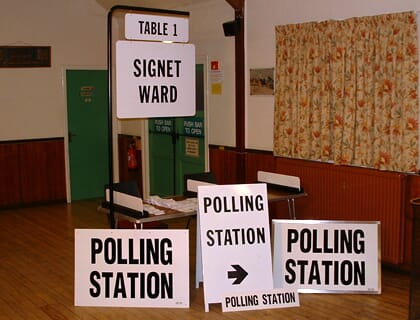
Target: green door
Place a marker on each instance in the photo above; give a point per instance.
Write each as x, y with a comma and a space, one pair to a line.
176, 146
87, 116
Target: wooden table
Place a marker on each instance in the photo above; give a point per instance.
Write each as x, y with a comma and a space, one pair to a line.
169, 214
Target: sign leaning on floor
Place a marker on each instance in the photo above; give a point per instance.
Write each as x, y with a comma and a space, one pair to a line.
235, 246
327, 256
132, 268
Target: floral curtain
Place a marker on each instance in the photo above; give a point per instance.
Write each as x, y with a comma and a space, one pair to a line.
347, 92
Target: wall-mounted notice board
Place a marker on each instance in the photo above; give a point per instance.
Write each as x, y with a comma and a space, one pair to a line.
25, 56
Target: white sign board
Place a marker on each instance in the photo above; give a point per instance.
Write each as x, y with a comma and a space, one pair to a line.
132, 268
154, 79
156, 28
235, 240
327, 256
269, 299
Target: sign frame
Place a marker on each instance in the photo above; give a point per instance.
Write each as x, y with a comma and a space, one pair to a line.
242, 267
132, 268
154, 79
371, 246
153, 27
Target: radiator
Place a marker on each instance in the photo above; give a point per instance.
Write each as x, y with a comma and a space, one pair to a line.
356, 194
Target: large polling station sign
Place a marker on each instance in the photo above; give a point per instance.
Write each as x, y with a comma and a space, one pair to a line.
155, 78
235, 241
131, 268
327, 256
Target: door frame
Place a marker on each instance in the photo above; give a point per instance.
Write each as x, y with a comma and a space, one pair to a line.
201, 59
64, 70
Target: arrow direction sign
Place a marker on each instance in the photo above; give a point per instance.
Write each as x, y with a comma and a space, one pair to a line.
239, 274
235, 240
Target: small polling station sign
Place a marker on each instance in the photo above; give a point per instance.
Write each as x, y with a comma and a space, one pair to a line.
327, 256
269, 299
132, 268
235, 240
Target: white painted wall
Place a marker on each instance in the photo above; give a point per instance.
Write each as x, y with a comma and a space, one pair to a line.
206, 33
32, 100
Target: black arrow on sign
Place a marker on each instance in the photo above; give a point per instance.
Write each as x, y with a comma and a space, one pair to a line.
239, 274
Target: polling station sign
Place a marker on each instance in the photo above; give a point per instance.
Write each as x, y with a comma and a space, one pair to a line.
154, 79
131, 268
235, 240
269, 299
327, 256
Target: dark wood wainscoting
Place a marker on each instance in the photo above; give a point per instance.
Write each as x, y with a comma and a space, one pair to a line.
32, 171
337, 193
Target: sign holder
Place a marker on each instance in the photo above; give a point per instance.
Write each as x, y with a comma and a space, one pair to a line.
112, 11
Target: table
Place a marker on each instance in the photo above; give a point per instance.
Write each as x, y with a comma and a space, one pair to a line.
169, 214
274, 194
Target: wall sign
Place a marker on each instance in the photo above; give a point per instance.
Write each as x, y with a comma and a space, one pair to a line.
154, 79
132, 268
327, 256
25, 56
235, 240
192, 147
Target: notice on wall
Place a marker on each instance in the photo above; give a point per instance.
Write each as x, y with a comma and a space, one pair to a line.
327, 256
192, 147
132, 268
216, 78
235, 240
154, 79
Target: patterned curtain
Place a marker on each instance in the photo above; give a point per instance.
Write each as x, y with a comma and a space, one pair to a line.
347, 92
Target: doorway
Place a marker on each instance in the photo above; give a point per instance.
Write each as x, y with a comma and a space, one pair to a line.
177, 146
87, 122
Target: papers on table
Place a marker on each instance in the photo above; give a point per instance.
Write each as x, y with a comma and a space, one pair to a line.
186, 205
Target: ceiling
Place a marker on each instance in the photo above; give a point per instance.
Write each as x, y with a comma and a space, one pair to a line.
156, 4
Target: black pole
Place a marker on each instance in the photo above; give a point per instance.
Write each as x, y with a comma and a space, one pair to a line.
110, 133
174, 142
110, 85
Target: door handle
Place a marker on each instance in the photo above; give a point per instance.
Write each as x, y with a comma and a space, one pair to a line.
71, 135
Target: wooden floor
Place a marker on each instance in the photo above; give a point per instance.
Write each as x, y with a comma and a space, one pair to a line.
37, 276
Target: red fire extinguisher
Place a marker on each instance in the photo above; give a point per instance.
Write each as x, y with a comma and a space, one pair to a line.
131, 157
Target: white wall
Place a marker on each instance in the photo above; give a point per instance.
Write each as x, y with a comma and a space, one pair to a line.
263, 15
206, 33
32, 100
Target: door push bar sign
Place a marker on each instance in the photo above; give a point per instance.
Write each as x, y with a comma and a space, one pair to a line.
156, 28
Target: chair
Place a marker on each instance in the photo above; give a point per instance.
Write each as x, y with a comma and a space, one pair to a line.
193, 180
281, 187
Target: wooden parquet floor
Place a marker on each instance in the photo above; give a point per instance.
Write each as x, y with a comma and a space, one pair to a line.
37, 276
